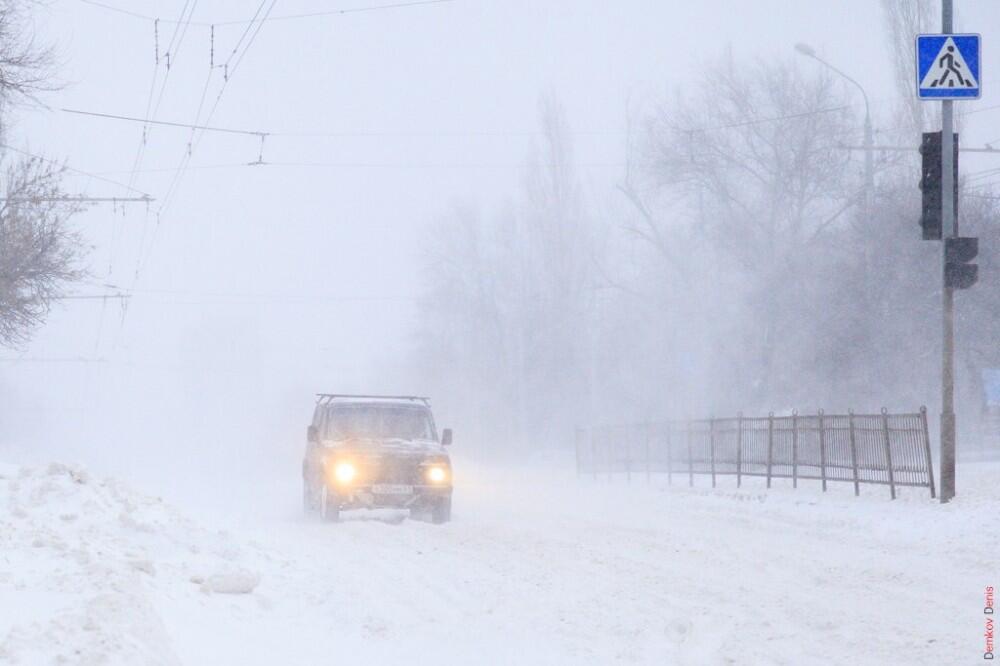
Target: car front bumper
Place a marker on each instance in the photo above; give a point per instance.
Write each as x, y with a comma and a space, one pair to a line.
374, 496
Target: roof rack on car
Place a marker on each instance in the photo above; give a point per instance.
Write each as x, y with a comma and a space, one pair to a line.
329, 397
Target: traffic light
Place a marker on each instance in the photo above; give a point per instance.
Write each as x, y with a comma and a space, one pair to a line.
958, 272
930, 185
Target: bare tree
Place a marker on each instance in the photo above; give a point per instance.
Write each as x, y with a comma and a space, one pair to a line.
39, 254
904, 20
751, 173
38, 251
25, 65
509, 298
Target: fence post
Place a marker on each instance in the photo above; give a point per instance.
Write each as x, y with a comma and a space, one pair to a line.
739, 450
646, 435
711, 446
579, 433
927, 450
888, 453
670, 455
822, 450
690, 457
795, 449
628, 454
770, 445
612, 446
593, 453
854, 452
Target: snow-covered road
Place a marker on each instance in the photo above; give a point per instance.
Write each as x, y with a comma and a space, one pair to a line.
535, 568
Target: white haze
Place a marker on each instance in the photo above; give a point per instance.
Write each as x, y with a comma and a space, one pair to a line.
254, 287
265, 284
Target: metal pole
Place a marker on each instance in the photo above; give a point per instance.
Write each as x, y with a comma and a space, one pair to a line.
711, 446
612, 446
869, 162
854, 452
927, 450
579, 434
869, 146
739, 450
593, 453
690, 457
628, 454
888, 452
822, 450
948, 297
770, 445
795, 449
670, 455
648, 471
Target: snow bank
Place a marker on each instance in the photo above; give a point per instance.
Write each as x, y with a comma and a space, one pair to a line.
239, 582
85, 562
538, 567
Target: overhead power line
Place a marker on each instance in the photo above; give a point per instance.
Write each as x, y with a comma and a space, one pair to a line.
145, 251
166, 122
144, 195
53, 360
910, 149
285, 17
981, 110
118, 10
342, 134
77, 199
330, 134
91, 297
249, 26
181, 297
351, 10
378, 165
759, 121
194, 143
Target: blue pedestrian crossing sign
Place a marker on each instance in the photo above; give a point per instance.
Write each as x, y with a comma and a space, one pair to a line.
948, 67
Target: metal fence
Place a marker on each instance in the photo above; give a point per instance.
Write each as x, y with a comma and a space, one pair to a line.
888, 449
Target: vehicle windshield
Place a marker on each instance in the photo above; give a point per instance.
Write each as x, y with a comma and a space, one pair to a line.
378, 422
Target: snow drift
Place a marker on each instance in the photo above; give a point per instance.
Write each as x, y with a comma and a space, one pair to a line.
536, 567
84, 560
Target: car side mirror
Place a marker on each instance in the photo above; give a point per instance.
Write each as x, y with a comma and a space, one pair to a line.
446, 437
312, 434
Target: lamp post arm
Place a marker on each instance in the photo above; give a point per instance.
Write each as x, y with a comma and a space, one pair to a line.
864, 95
869, 134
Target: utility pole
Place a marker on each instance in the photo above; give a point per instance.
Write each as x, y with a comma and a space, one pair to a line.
950, 228
869, 161
948, 69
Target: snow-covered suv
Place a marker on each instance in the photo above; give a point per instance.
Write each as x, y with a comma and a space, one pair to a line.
376, 452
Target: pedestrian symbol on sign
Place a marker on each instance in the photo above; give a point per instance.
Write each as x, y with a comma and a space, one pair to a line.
949, 70
948, 66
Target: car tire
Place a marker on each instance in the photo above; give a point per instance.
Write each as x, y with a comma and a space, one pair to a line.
328, 510
307, 501
441, 511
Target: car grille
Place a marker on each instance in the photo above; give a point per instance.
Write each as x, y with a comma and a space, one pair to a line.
393, 470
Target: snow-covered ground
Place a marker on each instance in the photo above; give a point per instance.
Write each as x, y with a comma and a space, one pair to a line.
536, 567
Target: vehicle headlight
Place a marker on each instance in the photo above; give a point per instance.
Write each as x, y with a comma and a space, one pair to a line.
437, 474
344, 472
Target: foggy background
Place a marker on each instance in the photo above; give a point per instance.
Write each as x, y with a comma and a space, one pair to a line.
442, 212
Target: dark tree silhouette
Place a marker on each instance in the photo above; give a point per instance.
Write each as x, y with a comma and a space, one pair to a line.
39, 253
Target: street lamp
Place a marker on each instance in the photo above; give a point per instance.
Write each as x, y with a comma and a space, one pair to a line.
810, 52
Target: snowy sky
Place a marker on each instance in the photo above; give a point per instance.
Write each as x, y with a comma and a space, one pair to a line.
280, 280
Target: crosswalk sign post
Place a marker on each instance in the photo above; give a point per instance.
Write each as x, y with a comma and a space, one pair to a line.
948, 69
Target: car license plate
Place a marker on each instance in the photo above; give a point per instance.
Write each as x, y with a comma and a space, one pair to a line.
392, 489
